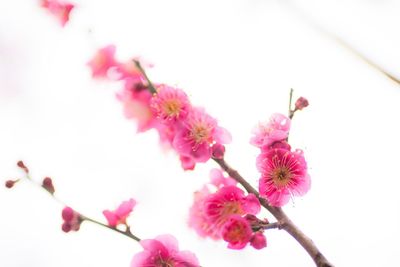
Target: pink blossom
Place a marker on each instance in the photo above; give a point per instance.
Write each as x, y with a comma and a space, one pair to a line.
135, 99
170, 104
103, 61
59, 9
258, 240
237, 232
187, 163
163, 251
227, 201
283, 173
119, 215
276, 129
218, 151
199, 132
72, 220
198, 219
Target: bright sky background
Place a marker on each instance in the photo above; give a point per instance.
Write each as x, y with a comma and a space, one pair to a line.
236, 58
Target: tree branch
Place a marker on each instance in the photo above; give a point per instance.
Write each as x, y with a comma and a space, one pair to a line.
283, 220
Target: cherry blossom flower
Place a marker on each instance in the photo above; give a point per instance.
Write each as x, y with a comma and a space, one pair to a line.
163, 251
237, 232
119, 215
283, 174
59, 9
72, 220
276, 129
199, 132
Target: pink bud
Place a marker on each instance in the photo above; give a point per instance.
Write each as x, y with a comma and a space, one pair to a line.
72, 220
301, 103
48, 185
67, 214
258, 241
218, 151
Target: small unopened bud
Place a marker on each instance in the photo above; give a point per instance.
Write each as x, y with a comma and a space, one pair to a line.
218, 151
72, 220
48, 185
258, 241
10, 183
301, 103
22, 166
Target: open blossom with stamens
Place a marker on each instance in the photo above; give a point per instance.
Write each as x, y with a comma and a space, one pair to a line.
170, 104
283, 174
59, 9
198, 133
276, 129
163, 251
102, 61
227, 201
119, 215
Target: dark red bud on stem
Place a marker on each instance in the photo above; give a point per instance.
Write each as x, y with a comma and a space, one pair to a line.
48, 185
22, 166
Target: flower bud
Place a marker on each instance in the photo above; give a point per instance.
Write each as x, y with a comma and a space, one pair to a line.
22, 166
258, 241
218, 151
301, 103
48, 185
10, 183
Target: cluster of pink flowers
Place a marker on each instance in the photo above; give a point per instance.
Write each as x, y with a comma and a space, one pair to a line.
61, 10
283, 172
189, 130
220, 211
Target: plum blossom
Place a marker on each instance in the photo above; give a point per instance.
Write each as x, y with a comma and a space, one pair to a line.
197, 135
301, 103
72, 220
59, 9
163, 251
283, 174
170, 104
119, 215
258, 240
276, 129
227, 201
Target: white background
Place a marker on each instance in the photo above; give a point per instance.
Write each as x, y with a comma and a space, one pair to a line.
236, 58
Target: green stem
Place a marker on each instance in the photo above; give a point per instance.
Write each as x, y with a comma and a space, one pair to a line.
151, 87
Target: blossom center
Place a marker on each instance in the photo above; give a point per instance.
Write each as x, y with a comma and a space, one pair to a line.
200, 133
281, 176
172, 108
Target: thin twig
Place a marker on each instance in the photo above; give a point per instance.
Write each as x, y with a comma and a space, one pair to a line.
151, 87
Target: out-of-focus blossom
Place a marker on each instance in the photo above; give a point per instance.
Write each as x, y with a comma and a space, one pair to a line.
119, 215
163, 251
237, 232
103, 61
276, 129
61, 10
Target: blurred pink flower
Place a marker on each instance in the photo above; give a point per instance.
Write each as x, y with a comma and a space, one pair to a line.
237, 232
258, 240
59, 9
102, 61
163, 251
283, 173
119, 215
219, 180
276, 129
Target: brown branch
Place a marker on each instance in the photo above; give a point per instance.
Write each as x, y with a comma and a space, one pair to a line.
283, 220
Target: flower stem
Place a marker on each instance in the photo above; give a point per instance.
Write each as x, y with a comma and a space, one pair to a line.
283, 220
126, 233
151, 87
